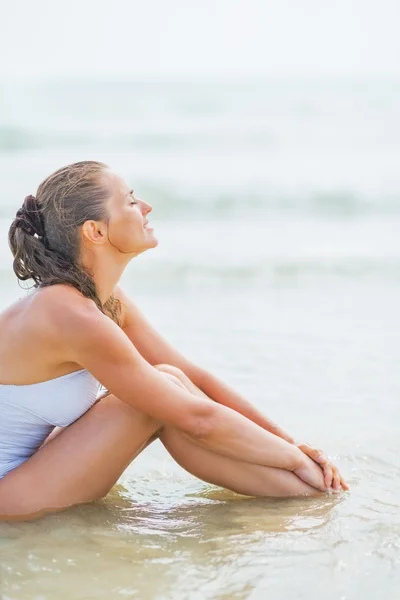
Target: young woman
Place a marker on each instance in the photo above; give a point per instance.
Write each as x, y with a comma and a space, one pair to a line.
63, 440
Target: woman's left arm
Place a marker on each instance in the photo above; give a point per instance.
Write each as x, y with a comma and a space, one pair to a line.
223, 394
219, 391
156, 350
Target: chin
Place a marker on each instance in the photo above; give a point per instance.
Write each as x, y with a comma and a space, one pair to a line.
150, 244
154, 242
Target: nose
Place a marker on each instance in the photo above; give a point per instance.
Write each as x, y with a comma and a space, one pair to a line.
146, 207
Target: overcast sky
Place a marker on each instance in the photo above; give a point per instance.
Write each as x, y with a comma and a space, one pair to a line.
181, 38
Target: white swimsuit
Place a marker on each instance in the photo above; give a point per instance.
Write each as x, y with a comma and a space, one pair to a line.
28, 413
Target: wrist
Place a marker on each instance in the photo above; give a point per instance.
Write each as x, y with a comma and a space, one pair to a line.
295, 458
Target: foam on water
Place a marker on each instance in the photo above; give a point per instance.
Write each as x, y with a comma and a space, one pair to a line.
324, 146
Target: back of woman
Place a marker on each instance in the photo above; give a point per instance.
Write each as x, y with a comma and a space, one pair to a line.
27, 342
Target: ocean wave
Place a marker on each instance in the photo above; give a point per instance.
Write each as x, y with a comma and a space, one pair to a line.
170, 202
242, 204
348, 268
166, 275
14, 139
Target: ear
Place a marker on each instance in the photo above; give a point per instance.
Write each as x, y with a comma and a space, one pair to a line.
94, 231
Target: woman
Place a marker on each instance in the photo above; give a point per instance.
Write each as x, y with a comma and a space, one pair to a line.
63, 441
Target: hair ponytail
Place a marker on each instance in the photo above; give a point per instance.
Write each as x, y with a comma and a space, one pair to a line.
44, 237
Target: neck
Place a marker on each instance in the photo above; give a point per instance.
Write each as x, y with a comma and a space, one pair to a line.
106, 272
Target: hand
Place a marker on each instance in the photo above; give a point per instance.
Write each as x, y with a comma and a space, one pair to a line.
332, 476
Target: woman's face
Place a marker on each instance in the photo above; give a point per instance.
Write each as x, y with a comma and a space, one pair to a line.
129, 229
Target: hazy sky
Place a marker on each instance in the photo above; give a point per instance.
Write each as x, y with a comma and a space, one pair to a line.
128, 38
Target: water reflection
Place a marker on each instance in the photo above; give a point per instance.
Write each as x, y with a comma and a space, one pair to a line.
209, 539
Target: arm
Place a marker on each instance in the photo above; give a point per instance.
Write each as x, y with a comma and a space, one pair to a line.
93, 341
156, 350
223, 394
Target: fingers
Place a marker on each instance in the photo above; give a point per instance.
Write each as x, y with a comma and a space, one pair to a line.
307, 449
344, 484
339, 482
332, 476
328, 474
313, 453
335, 478
319, 457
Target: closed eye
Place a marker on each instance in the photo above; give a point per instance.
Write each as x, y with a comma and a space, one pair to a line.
132, 196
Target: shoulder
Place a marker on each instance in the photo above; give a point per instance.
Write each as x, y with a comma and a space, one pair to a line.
68, 312
64, 307
60, 296
82, 332
35, 331
62, 299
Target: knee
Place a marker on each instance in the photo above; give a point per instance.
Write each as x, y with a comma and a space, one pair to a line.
120, 410
171, 370
173, 374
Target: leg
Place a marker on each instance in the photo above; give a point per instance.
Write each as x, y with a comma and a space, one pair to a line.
79, 463
238, 476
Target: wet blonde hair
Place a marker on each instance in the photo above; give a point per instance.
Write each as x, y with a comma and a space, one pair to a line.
44, 235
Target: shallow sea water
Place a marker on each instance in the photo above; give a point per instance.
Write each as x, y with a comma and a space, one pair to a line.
289, 294
316, 350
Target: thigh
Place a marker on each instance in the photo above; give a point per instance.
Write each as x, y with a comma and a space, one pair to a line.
78, 463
